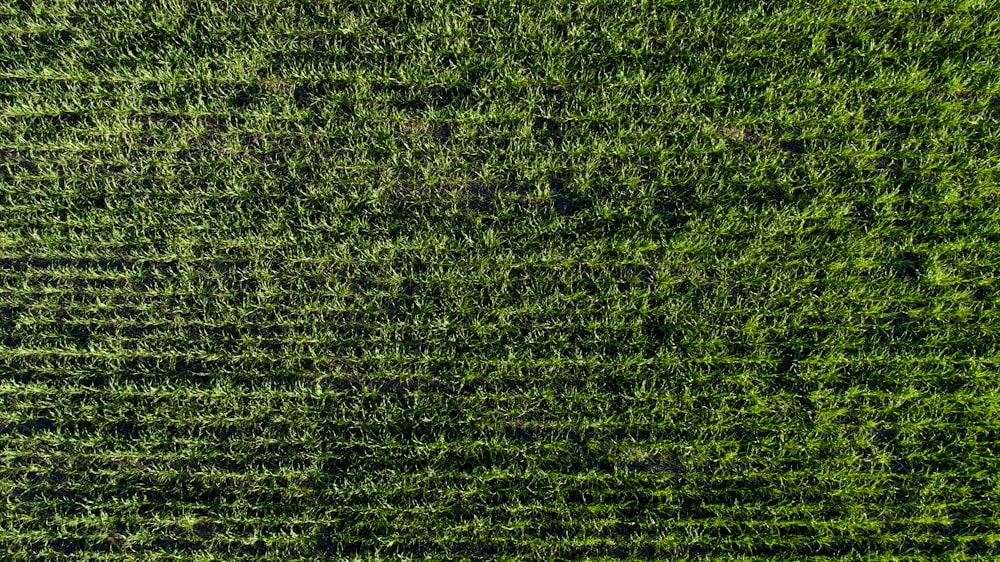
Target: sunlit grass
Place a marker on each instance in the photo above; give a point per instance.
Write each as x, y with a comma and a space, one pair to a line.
470, 280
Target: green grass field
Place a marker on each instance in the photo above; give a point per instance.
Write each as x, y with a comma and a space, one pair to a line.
567, 280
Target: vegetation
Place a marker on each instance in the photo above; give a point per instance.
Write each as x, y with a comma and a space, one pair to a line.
496, 280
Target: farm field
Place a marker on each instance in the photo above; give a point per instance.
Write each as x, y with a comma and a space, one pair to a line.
484, 280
